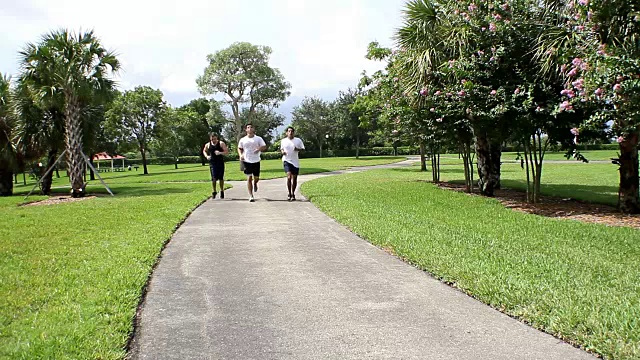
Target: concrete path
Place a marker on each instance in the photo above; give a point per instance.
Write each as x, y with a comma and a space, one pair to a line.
281, 280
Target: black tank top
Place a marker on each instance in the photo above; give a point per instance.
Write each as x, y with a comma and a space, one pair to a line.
215, 159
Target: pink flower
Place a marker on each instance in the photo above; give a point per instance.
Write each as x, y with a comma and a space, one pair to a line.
620, 139
451, 63
578, 84
449, 94
423, 92
432, 110
538, 109
573, 72
492, 27
462, 93
439, 119
580, 28
497, 17
472, 7
568, 93
493, 92
483, 28
617, 88
583, 2
504, 6
602, 50
565, 106
575, 132
480, 52
492, 59
576, 62
598, 92
517, 91
563, 68
437, 93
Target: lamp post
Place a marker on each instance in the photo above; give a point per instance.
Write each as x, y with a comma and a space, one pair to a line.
395, 133
327, 142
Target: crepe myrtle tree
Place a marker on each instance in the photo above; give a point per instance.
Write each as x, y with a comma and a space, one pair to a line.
595, 46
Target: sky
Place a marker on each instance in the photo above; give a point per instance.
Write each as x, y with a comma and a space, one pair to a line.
319, 46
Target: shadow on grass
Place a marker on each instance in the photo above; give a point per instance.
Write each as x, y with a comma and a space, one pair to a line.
600, 194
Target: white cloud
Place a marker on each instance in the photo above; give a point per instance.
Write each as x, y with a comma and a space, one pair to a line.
318, 46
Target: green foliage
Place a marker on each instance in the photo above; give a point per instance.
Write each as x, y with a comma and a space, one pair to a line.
242, 73
134, 116
313, 122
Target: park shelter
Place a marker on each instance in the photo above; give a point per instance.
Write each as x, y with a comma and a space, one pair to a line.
103, 156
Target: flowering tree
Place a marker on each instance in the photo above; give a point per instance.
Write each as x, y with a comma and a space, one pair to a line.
595, 46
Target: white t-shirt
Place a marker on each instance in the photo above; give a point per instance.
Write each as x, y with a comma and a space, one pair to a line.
250, 145
289, 146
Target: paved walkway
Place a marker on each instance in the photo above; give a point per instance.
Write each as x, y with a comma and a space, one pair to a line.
280, 280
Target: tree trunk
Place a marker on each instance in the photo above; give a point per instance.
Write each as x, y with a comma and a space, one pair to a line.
357, 144
488, 170
6, 180
45, 188
423, 157
73, 141
628, 190
144, 160
92, 175
496, 154
320, 145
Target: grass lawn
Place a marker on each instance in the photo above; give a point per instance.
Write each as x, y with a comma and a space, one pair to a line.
270, 169
72, 274
574, 280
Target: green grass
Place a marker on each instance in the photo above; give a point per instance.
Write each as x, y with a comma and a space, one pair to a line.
72, 274
574, 280
270, 169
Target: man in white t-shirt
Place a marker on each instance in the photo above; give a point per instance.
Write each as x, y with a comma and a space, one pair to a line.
290, 147
249, 148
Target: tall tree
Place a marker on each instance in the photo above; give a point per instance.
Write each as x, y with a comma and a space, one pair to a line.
595, 47
7, 145
242, 73
74, 65
134, 116
347, 112
312, 121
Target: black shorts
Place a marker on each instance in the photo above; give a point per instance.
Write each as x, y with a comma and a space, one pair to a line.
289, 168
217, 171
252, 168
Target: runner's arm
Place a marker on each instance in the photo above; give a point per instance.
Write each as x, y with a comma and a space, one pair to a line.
225, 149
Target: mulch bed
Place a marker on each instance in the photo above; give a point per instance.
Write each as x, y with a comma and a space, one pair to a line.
59, 199
558, 207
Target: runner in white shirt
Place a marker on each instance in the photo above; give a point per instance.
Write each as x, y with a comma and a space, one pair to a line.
249, 148
290, 147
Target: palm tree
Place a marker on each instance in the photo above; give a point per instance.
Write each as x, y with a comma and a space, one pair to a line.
74, 67
7, 148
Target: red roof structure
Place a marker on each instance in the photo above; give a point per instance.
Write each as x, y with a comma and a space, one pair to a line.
103, 156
